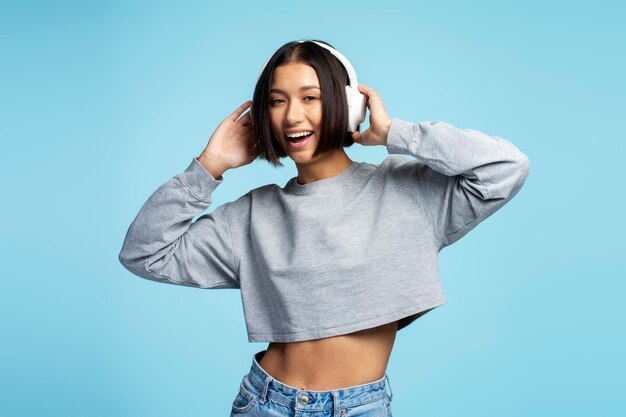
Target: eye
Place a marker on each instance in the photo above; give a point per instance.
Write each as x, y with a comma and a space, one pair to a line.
273, 102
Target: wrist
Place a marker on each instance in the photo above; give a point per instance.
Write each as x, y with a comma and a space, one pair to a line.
212, 165
386, 127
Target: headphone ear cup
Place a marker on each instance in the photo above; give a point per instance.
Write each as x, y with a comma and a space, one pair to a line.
356, 108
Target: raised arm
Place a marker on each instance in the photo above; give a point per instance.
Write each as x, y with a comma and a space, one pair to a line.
163, 244
463, 176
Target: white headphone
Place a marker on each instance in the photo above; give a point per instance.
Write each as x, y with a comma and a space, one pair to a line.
356, 100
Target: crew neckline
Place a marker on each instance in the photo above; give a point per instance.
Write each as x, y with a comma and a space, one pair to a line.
324, 183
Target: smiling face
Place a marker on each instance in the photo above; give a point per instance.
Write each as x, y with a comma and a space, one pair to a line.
296, 106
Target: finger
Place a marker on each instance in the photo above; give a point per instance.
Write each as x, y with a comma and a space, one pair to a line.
245, 119
235, 115
366, 90
373, 99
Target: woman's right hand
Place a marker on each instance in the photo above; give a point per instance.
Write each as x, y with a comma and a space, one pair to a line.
233, 144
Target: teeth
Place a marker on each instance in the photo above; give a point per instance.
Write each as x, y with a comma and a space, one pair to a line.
298, 135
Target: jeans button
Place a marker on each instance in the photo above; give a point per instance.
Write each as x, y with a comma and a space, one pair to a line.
304, 400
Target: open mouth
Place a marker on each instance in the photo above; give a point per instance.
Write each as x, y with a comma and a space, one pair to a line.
300, 142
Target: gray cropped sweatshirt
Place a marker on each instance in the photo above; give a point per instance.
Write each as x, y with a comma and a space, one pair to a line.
336, 255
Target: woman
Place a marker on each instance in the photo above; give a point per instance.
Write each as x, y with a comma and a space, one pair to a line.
334, 263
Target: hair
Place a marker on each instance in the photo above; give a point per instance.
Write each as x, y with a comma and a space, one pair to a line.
333, 78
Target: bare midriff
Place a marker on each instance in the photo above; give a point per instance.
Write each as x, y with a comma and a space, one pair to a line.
334, 362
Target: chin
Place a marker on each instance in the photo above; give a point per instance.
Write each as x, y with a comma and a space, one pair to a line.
301, 158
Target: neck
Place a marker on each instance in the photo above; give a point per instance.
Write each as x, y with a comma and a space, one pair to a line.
325, 166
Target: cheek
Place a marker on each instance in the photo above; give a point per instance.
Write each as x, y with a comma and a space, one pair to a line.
318, 115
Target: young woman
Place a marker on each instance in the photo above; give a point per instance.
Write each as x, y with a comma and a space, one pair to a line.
334, 263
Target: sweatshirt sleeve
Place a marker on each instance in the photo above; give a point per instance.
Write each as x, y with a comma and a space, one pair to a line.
462, 175
163, 244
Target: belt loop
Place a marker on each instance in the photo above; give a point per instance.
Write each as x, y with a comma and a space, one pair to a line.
263, 393
389, 384
336, 403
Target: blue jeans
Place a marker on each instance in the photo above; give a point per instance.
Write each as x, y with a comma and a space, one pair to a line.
261, 395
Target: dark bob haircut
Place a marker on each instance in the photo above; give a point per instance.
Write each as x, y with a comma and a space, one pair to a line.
333, 78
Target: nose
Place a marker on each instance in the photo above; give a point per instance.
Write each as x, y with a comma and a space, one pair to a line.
294, 113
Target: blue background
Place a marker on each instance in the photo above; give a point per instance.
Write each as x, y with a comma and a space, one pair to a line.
103, 102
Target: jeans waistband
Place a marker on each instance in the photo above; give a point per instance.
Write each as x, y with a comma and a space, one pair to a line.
267, 386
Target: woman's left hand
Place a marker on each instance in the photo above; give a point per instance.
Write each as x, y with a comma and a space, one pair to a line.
380, 121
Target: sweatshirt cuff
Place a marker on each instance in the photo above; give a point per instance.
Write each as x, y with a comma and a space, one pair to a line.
199, 180
400, 137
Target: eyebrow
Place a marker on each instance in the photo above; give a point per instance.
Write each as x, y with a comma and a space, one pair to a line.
306, 87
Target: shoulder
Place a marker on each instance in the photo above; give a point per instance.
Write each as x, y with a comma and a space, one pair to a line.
394, 166
244, 203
